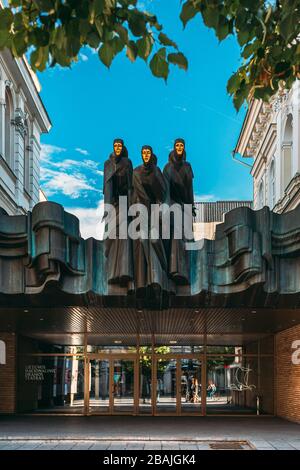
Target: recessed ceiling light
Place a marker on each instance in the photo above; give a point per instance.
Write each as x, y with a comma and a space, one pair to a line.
26, 311
253, 311
118, 341
41, 319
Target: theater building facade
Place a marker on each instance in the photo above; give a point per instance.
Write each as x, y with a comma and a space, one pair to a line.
226, 344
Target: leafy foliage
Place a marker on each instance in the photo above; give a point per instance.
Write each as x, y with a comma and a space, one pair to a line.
54, 32
268, 33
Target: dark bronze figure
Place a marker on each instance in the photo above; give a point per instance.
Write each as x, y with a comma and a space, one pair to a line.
179, 176
118, 182
149, 187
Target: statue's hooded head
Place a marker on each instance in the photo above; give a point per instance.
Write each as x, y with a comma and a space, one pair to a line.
119, 148
148, 156
179, 149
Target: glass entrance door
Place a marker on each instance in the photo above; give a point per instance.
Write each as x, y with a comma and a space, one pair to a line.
129, 384
112, 385
192, 385
123, 386
179, 385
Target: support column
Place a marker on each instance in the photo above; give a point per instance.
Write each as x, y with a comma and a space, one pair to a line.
34, 166
19, 150
2, 117
296, 127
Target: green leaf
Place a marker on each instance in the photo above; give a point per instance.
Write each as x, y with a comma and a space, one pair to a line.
287, 25
6, 19
73, 46
58, 38
178, 59
233, 83
106, 53
19, 43
99, 26
44, 5
93, 39
243, 37
59, 55
137, 23
158, 65
39, 58
117, 45
238, 100
84, 28
165, 41
4, 39
144, 47
42, 37
122, 32
131, 51
188, 12
211, 18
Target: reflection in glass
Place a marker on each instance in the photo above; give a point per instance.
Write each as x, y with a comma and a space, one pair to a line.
51, 384
123, 386
232, 385
145, 400
190, 386
166, 386
99, 386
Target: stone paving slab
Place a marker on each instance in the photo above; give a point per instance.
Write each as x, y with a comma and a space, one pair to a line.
262, 445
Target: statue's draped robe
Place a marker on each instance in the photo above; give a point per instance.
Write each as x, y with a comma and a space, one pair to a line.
118, 182
150, 261
179, 176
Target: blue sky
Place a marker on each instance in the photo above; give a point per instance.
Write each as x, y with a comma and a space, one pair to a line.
89, 106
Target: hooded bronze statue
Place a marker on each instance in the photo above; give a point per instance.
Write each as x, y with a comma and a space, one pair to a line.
118, 182
150, 261
179, 176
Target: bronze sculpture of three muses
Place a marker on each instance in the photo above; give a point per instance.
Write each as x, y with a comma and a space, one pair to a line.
148, 263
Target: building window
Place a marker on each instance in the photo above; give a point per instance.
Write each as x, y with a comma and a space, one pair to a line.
8, 135
287, 152
272, 185
261, 195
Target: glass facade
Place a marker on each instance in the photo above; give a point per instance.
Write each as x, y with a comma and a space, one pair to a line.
146, 380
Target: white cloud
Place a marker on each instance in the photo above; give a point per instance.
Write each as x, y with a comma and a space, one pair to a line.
69, 184
82, 151
73, 178
48, 150
205, 198
90, 220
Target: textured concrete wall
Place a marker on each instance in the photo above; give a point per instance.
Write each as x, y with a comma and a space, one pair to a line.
287, 376
8, 375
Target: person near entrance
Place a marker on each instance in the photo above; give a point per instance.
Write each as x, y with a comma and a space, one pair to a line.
211, 389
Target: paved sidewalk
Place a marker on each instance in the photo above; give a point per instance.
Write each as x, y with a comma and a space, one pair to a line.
110, 445
153, 433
